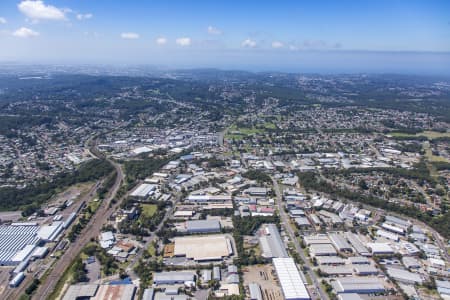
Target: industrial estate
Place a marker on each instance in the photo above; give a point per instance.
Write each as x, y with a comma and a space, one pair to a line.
232, 186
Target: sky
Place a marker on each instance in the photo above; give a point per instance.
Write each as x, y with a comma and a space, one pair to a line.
405, 36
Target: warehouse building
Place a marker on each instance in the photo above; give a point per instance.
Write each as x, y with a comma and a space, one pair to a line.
404, 276
143, 190
100, 292
411, 262
443, 287
380, 248
255, 291
388, 235
290, 280
336, 270
330, 260
17, 242
393, 228
359, 285
316, 239
302, 222
203, 248
358, 260
357, 244
80, 291
322, 250
271, 243
340, 243
203, 226
364, 270
349, 296
206, 199
397, 221
49, 233
174, 277
257, 191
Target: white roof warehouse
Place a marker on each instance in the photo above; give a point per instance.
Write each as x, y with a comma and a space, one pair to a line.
291, 282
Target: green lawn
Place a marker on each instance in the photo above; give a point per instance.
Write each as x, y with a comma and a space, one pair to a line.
269, 125
428, 134
148, 210
151, 250
239, 133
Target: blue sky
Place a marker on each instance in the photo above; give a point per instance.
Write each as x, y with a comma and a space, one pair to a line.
323, 36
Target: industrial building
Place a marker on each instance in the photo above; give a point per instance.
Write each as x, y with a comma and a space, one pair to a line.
206, 199
359, 260
349, 296
340, 243
17, 242
290, 280
100, 292
322, 250
175, 277
380, 248
357, 244
203, 226
257, 191
337, 270
81, 291
271, 243
330, 260
255, 291
143, 190
411, 262
404, 276
203, 248
49, 233
316, 239
364, 270
359, 285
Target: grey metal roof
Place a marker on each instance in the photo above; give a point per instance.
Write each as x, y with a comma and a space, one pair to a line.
271, 244
203, 225
255, 291
173, 276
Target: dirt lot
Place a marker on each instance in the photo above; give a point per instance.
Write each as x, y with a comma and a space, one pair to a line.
4, 278
262, 274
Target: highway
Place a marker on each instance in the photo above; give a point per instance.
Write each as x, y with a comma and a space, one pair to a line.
285, 221
92, 230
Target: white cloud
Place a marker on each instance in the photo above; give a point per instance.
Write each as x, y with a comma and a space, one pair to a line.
293, 48
2, 20
248, 43
214, 30
184, 41
24, 32
161, 41
82, 17
129, 35
277, 45
38, 10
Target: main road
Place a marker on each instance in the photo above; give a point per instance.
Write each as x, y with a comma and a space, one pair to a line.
285, 221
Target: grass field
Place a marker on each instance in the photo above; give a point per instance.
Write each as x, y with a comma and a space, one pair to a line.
151, 250
428, 134
269, 125
239, 133
148, 210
